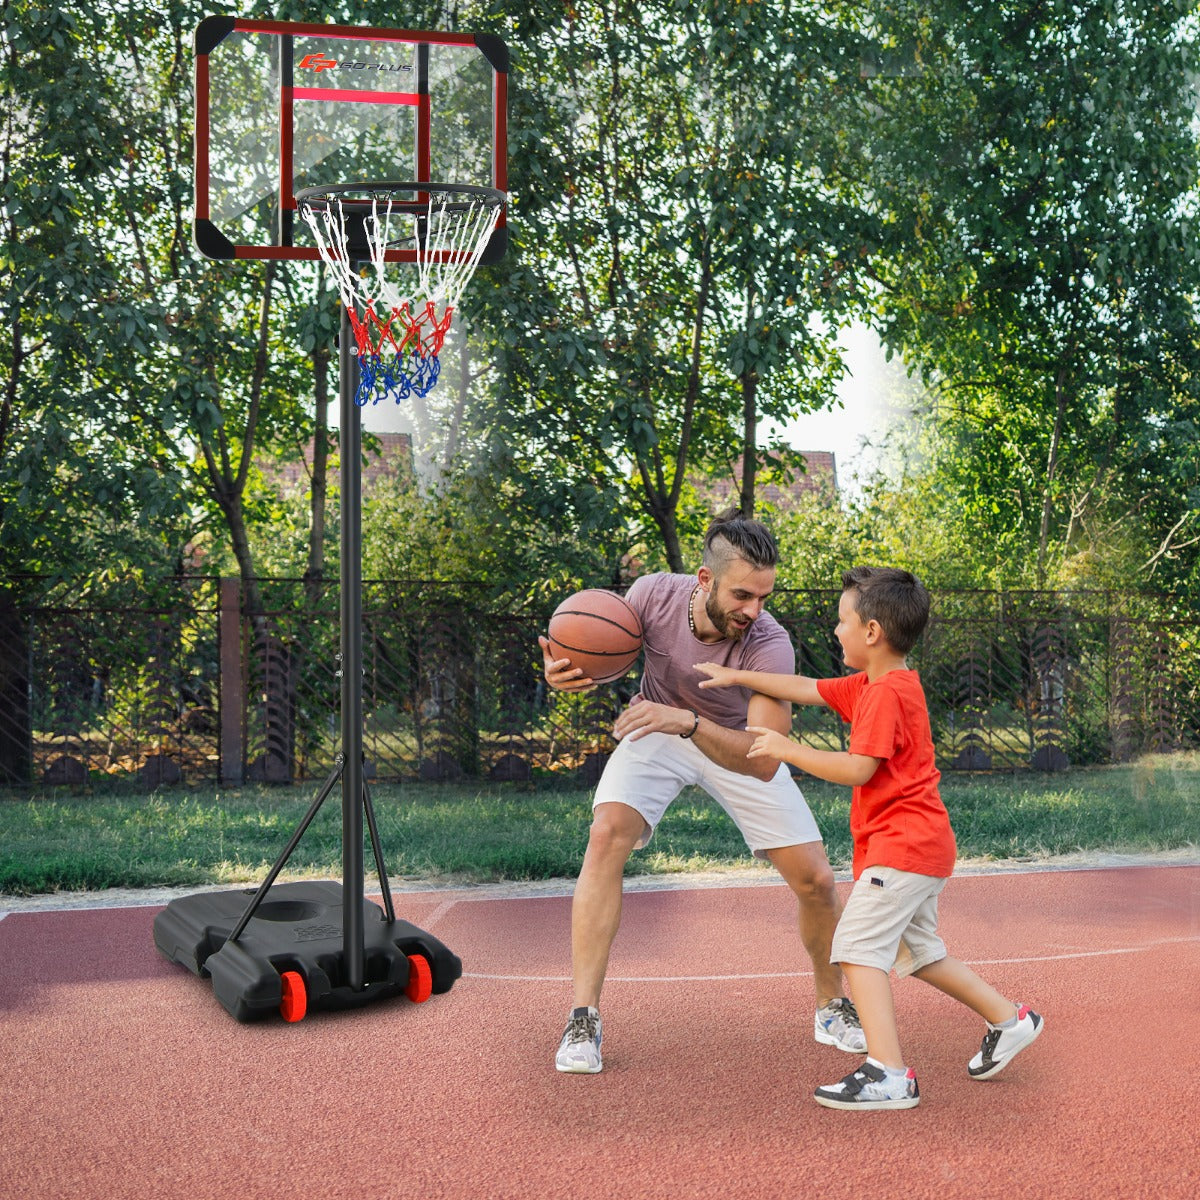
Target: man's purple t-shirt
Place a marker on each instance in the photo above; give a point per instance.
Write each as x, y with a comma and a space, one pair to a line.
671, 651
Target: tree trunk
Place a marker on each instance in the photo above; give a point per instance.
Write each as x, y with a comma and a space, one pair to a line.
662, 502
750, 444
1060, 405
315, 571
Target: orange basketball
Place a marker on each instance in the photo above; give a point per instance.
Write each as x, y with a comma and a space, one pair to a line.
597, 631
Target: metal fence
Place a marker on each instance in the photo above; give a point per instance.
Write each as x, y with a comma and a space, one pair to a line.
169, 681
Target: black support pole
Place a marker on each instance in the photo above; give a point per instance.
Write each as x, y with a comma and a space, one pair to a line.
352, 659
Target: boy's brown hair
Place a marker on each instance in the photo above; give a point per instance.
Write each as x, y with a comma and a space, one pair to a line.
896, 599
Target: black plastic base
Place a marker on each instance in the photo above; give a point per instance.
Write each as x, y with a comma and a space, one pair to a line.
297, 927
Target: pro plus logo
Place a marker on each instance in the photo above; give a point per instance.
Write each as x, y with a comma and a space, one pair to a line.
320, 61
317, 62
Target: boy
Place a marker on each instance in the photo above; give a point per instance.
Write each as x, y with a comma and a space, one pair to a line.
903, 845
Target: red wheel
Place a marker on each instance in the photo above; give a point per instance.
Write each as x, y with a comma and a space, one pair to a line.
294, 1004
420, 979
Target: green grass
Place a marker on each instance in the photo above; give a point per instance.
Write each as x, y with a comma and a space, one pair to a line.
55, 841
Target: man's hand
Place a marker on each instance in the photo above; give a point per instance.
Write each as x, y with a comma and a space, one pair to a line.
559, 673
643, 717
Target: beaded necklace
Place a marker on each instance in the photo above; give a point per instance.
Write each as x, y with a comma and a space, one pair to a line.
691, 615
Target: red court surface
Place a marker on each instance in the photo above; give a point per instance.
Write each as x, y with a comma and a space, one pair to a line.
123, 1077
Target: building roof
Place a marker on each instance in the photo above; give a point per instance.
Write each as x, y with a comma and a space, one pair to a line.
818, 477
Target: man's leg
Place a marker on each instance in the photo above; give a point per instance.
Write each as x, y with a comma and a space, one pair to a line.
596, 907
595, 916
806, 870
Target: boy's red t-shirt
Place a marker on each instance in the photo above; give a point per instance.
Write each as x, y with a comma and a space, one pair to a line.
897, 818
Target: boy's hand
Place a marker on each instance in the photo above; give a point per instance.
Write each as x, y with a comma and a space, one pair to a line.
767, 743
559, 673
718, 676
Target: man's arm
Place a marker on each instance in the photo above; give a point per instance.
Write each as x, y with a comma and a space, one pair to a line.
728, 748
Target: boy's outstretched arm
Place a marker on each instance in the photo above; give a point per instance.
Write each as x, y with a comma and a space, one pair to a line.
796, 689
835, 766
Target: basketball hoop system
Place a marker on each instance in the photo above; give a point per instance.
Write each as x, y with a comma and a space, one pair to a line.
362, 229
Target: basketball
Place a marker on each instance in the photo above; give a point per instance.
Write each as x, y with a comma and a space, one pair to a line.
598, 632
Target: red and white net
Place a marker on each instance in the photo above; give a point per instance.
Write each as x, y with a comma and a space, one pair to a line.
362, 234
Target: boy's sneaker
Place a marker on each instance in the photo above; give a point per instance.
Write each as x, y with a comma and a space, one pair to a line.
871, 1089
579, 1050
1001, 1046
837, 1025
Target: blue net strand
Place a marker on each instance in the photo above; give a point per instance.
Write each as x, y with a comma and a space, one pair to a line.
398, 377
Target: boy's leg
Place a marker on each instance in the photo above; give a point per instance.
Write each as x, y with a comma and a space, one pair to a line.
882, 1081
868, 936
872, 991
1011, 1027
958, 981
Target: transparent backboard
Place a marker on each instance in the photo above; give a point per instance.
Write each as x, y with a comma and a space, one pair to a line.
282, 105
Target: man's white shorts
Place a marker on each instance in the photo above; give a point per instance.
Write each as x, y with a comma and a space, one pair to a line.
648, 773
890, 921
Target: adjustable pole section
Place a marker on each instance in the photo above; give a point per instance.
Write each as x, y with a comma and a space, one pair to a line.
352, 659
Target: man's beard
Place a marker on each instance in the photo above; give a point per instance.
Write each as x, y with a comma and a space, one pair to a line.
723, 621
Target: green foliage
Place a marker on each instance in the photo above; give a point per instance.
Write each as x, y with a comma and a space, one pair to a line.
1041, 267
85, 474
702, 194
481, 834
472, 527
672, 241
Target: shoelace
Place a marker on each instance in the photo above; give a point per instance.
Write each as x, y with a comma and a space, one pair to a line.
989, 1042
850, 1014
581, 1029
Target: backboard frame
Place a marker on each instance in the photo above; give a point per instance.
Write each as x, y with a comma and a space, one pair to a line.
213, 242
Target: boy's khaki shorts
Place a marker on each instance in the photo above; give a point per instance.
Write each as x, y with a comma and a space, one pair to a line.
890, 922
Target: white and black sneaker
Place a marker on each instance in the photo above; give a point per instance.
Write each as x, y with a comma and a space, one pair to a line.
1001, 1044
871, 1089
837, 1025
579, 1050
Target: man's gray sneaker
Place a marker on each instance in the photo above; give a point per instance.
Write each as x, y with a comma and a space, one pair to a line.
579, 1050
837, 1025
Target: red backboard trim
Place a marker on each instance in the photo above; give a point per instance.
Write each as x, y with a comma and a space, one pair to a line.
355, 97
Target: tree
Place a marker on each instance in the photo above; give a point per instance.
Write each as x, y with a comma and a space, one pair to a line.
85, 478
1037, 167
682, 259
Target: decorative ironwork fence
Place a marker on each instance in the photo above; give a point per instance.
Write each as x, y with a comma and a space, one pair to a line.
1041, 680
122, 683
169, 681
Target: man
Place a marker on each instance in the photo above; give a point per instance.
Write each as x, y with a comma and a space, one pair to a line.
675, 733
